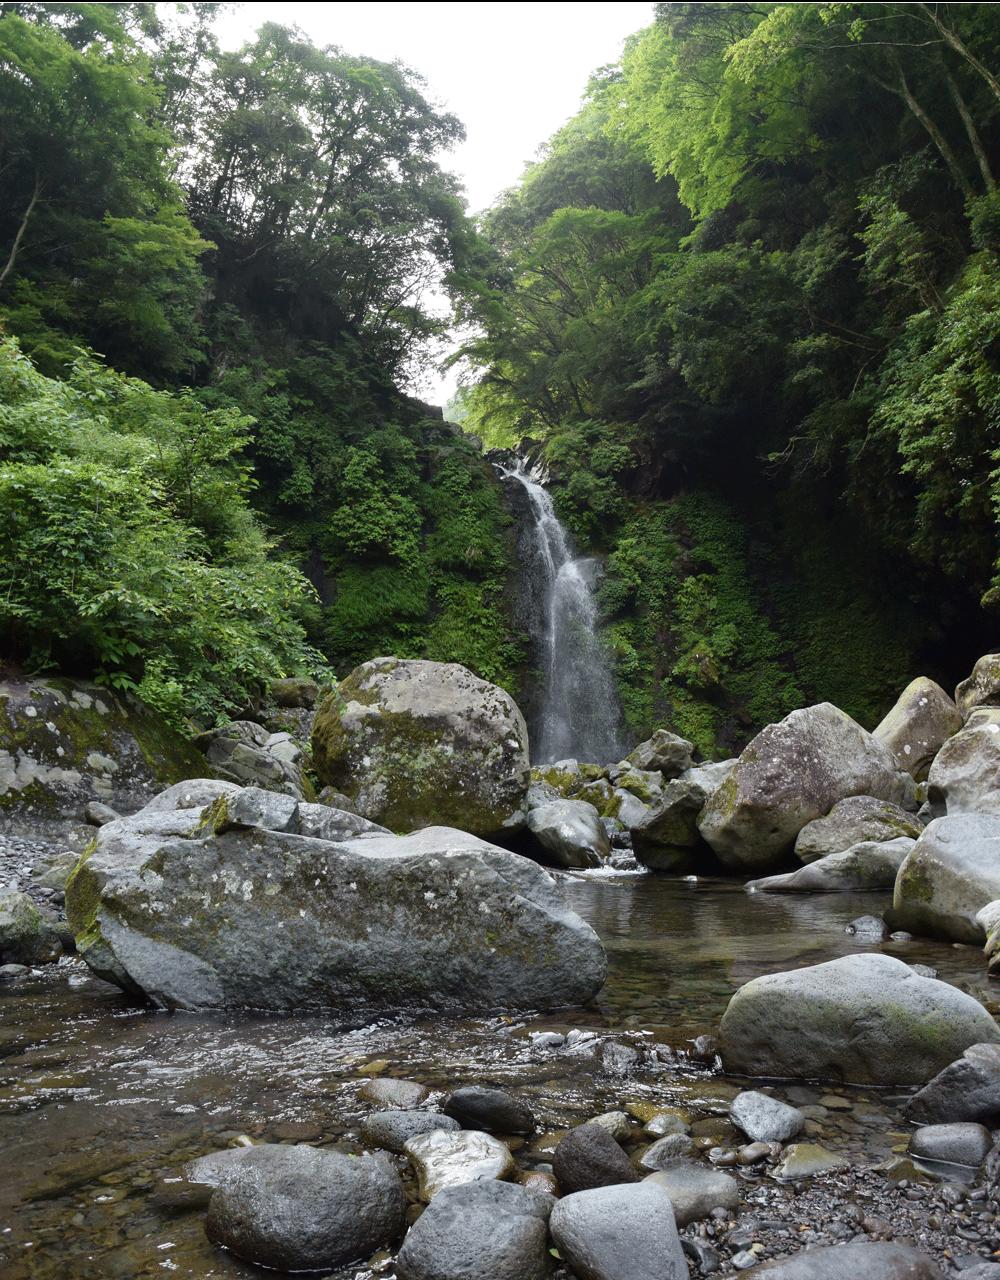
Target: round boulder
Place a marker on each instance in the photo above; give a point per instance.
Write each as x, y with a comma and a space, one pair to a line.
790, 774
949, 875
495, 1110
588, 1157
965, 775
867, 1019
852, 821
416, 743
918, 726
571, 832
609, 1232
296, 1208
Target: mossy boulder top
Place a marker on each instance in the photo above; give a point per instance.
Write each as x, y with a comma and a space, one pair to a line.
416, 743
790, 774
253, 900
865, 1019
64, 743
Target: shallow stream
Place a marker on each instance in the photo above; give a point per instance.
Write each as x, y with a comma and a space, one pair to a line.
101, 1102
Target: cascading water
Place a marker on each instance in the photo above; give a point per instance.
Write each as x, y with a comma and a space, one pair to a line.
579, 714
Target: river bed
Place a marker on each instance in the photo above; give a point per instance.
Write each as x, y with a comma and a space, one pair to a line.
101, 1101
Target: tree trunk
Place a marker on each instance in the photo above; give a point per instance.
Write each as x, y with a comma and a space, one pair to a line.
970, 128
16, 246
954, 41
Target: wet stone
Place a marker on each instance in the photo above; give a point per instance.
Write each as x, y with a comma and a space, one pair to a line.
597, 1230
442, 1159
695, 1190
666, 1151
765, 1119
494, 1110
398, 1094
616, 1123
589, 1157
806, 1160
967, 1144
391, 1130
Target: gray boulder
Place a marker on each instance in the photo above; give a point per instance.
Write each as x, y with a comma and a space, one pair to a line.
966, 1089
918, 726
25, 936
951, 873
667, 838
246, 753
852, 821
295, 691
765, 1119
479, 1231
193, 912
790, 774
449, 1159
869, 865
962, 1143
982, 687
874, 1261
664, 752
389, 1091
965, 775
988, 918
65, 744
414, 743
696, 1189
296, 1208
867, 1019
392, 1130
495, 1110
588, 1157
609, 1232
570, 831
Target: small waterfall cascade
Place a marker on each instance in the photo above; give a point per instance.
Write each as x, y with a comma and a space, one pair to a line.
578, 714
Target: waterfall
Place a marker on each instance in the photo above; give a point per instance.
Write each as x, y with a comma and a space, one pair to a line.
579, 714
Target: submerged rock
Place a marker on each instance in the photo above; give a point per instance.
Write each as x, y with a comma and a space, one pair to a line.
479, 1231
448, 1159
952, 872
867, 1019
414, 743
869, 865
853, 821
570, 831
790, 774
966, 1089
609, 1232
860, 1261
918, 726
191, 912
297, 1208
65, 744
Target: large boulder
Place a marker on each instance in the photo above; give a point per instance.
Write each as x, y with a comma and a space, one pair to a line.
869, 865
570, 832
611, 1232
965, 775
667, 838
951, 873
852, 821
918, 726
866, 1019
791, 773
66, 743
414, 743
296, 1208
982, 687
664, 752
200, 908
25, 936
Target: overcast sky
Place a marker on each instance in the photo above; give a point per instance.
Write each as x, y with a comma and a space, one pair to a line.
512, 73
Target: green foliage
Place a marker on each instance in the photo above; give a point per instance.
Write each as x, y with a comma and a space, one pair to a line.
129, 547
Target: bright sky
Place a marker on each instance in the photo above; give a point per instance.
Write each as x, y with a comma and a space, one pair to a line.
512, 73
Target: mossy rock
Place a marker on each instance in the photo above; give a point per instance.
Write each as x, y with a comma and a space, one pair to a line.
416, 743
64, 743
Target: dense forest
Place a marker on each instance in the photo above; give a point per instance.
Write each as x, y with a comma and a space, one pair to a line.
745, 308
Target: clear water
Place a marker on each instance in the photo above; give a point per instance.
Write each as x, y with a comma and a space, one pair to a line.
580, 713
101, 1102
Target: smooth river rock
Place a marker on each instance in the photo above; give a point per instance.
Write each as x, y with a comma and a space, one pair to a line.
965, 775
589, 1157
415, 743
952, 872
853, 821
866, 1019
791, 773
765, 1119
449, 1159
297, 1208
860, 1261
961, 1143
696, 1189
966, 1089
608, 1233
479, 1231
571, 832
392, 1130
866, 866
193, 913
918, 726
496, 1110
